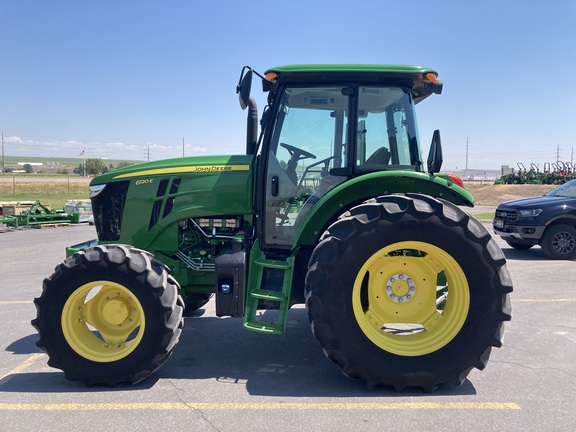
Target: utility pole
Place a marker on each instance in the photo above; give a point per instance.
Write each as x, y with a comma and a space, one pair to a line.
3, 165
147, 153
466, 152
557, 153
182, 146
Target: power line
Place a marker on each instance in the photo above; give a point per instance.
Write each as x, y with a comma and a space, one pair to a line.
3, 165
466, 152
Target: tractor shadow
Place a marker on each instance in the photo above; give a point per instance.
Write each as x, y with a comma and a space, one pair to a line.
222, 351
292, 364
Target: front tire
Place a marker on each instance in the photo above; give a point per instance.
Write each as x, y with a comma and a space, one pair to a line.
108, 315
559, 242
408, 291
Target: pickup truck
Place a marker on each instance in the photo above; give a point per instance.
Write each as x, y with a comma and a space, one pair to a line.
548, 220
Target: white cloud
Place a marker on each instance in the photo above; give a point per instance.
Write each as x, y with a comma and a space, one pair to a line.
18, 146
13, 140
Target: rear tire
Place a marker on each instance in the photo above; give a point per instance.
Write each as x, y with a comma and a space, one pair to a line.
559, 242
375, 290
108, 315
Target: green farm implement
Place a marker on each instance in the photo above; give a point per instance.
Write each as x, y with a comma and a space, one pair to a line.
38, 214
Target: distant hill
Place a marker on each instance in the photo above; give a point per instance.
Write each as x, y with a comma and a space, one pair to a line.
487, 195
53, 164
13, 160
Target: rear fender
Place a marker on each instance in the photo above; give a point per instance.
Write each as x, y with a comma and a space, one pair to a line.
360, 189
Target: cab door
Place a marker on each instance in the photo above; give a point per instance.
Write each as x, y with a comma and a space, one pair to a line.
307, 140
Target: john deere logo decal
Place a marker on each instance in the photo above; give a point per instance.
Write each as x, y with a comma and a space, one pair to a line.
187, 169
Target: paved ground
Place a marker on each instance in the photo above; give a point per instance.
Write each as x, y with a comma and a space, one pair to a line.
223, 378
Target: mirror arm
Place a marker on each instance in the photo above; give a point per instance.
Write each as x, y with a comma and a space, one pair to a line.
252, 127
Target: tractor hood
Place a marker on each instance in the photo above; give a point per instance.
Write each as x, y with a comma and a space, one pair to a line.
136, 204
187, 165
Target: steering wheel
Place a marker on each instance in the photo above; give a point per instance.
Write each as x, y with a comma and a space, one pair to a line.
296, 153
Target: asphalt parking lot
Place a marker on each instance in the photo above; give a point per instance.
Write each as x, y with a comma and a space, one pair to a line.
223, 378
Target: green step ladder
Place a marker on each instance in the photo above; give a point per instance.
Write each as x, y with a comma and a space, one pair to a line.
255, 292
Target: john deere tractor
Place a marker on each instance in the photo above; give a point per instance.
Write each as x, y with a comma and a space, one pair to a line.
332, 206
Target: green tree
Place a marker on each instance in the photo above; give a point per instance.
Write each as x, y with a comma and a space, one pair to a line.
28, 168
94, 166
79, 170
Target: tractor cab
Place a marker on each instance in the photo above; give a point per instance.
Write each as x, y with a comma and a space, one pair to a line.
323, 126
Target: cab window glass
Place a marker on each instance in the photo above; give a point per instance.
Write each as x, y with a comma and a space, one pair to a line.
386, 130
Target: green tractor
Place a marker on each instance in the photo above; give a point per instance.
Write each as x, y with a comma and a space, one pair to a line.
331, 206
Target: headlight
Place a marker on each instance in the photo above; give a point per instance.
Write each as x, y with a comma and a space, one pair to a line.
529, 213
96, 189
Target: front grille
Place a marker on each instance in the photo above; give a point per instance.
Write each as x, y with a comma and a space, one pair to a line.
164, 199
507, 215
108, 207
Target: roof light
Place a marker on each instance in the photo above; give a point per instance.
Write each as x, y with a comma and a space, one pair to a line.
271, 76
431, 77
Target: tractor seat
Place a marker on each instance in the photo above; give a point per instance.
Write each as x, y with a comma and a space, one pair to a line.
379, 157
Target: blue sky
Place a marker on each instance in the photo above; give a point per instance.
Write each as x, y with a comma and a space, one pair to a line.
124, 79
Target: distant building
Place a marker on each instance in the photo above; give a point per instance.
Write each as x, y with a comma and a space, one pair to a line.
479, 174
505, 170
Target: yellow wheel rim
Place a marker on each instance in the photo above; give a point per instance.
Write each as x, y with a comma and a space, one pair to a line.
411, 298
103, 321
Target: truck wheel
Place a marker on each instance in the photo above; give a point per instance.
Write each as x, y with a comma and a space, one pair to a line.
559, 242
108, 315
408, 291
194, 301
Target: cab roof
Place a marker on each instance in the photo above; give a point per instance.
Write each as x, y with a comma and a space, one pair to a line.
351, 68
419, 79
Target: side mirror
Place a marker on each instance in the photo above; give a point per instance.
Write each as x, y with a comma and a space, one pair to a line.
244, 87
435, 157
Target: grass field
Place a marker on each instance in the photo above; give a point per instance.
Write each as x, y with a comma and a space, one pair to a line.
49, 188
53, 192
